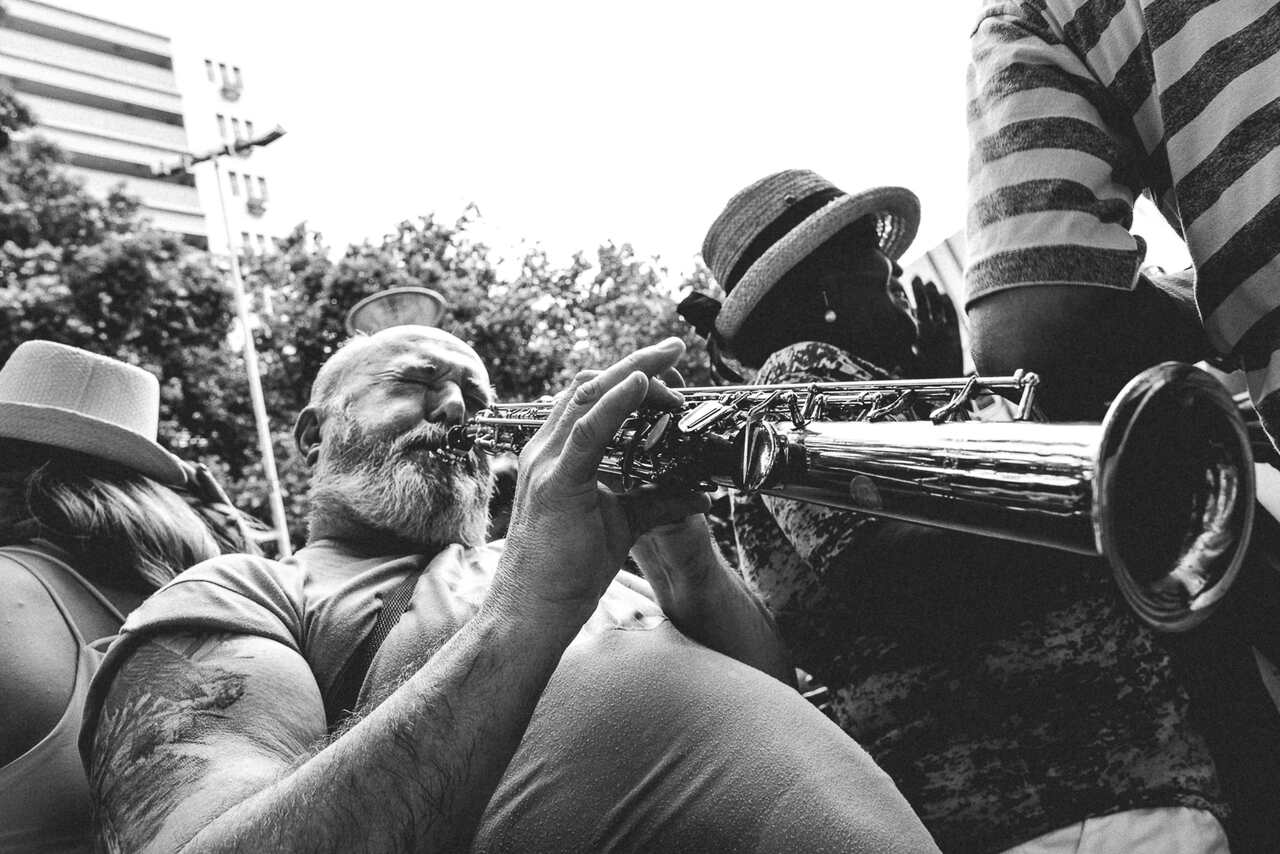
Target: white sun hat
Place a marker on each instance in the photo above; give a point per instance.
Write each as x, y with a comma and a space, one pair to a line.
70, 398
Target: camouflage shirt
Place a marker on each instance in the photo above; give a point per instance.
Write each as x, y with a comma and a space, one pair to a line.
1006, 688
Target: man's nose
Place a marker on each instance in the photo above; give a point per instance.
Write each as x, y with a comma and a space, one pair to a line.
447, 405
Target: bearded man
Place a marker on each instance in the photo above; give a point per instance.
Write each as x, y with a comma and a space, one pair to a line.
525, 700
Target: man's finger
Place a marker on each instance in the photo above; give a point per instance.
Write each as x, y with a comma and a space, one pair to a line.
590, 434
924, 318
949, 311
920, 301
649, 509
672, 378
660, 396
561, 401
649, 361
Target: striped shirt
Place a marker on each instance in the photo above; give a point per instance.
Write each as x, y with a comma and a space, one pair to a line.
1077, 106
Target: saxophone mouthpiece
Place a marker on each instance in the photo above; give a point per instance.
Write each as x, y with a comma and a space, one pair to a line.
459, 438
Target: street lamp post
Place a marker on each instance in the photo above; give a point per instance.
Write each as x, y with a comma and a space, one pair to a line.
276, 498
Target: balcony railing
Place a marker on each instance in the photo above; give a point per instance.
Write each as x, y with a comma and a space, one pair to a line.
255, 205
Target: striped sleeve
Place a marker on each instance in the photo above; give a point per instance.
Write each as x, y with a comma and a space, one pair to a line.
1052, 173
1219, 71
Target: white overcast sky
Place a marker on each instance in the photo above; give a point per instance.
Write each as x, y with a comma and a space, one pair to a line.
571, 123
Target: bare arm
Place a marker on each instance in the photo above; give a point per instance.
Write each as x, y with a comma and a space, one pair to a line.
707, 600
213, 744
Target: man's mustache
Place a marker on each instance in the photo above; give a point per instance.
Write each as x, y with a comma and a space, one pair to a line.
430, 438
424, 437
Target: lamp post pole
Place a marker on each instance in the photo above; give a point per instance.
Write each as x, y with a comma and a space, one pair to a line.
250, 352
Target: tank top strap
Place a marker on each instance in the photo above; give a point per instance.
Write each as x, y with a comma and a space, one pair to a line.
44, 566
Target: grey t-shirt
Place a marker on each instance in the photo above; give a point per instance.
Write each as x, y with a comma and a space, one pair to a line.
643, 740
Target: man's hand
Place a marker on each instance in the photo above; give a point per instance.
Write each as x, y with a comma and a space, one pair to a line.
706, 599
937, 347
681, 561
569, 535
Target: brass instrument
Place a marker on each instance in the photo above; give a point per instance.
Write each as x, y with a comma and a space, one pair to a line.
1162, 488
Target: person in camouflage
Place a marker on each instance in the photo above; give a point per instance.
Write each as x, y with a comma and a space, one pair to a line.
1006, 688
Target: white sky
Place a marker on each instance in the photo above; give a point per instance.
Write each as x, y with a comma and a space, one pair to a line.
571, 123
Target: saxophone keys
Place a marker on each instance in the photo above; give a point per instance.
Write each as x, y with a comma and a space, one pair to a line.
653, 434
704, 416
759, 447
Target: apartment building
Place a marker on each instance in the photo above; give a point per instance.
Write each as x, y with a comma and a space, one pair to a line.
221, 106
107, 93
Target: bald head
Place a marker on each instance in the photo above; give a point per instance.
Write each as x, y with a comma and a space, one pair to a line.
337, 376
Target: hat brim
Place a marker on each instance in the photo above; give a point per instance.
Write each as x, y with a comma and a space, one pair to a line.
63, 428
897, 207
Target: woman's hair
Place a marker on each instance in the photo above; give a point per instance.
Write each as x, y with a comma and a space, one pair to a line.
234, 531
120, 527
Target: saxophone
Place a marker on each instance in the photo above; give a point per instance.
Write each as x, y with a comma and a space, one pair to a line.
1162, 488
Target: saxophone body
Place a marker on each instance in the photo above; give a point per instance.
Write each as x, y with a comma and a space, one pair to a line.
1162, 488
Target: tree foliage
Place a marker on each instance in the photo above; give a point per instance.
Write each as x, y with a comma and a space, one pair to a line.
14, 115
86, 272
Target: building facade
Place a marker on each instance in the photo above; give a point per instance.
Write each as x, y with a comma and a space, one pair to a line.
122, 101
108, 95
220, 107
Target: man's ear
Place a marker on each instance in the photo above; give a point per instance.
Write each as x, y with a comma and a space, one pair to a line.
306, 435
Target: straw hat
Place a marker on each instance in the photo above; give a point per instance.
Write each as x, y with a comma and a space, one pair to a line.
70, 398
775, 223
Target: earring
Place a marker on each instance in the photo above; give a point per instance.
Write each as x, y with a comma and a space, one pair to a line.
830, 316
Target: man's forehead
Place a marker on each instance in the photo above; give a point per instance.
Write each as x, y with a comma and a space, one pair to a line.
413, 340
412, 347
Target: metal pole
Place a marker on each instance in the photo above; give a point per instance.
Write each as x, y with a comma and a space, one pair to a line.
255, 380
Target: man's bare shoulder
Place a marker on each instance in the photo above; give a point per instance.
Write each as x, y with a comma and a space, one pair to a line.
191, 725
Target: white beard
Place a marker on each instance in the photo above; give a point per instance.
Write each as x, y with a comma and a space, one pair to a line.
401, 487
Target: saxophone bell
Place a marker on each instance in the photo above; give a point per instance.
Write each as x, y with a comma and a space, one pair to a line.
1174, 494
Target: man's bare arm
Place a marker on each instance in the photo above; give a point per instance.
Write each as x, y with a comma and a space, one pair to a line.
214, 744
707, 600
